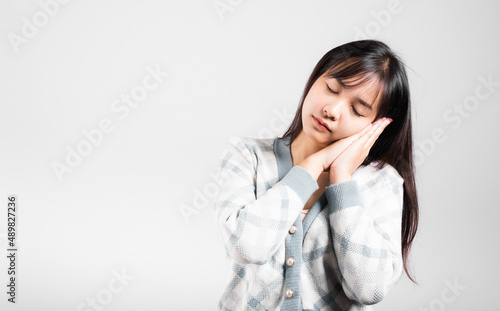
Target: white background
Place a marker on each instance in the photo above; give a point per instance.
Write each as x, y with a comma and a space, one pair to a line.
232, 73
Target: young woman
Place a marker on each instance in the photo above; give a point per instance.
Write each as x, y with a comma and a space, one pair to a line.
323, 217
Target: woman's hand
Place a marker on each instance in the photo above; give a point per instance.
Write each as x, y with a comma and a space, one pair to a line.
328, 154
344, 165
321, 161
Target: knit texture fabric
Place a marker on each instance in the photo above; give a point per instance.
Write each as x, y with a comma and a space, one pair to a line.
346, 253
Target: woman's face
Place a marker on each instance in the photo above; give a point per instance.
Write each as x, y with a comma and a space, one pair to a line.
349, 110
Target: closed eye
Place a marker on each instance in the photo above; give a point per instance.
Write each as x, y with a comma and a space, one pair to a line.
336, 93
355, 112
331, 90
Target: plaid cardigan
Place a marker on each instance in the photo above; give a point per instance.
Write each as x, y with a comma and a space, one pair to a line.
346, 253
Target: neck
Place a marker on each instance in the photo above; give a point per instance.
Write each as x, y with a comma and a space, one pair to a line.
302, 147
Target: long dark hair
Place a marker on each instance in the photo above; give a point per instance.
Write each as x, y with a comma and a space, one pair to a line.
359, 62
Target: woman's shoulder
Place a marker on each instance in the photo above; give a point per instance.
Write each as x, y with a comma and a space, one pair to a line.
251, 143
252, 140
378, 172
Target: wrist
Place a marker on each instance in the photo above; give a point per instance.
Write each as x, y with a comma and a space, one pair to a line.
311, 165
337, 177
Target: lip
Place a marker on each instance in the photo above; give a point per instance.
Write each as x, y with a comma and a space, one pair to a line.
322, 125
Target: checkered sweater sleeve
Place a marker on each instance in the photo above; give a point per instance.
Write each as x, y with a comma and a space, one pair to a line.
367, 235
252, 229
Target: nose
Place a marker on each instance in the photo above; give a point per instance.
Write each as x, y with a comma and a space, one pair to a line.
333, 110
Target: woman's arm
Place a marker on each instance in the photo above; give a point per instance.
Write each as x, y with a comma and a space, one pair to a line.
252, 229
367, 239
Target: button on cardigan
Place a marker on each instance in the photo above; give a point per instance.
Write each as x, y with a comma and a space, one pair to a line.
345, 254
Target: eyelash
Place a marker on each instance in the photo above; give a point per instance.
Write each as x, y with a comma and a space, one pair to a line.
331, 90
336, 93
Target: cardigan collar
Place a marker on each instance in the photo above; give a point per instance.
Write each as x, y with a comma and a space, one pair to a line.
282, 150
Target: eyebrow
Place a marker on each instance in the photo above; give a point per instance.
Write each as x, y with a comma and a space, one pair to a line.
362, 102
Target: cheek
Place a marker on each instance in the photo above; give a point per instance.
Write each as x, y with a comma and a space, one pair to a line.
312, 99
356, 127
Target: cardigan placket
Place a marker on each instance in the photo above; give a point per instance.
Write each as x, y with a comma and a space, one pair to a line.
297, 234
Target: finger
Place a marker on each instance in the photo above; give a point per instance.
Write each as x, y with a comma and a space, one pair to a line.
371, 133
365, 139
372, 130
371, 140
370, 127
366, 129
